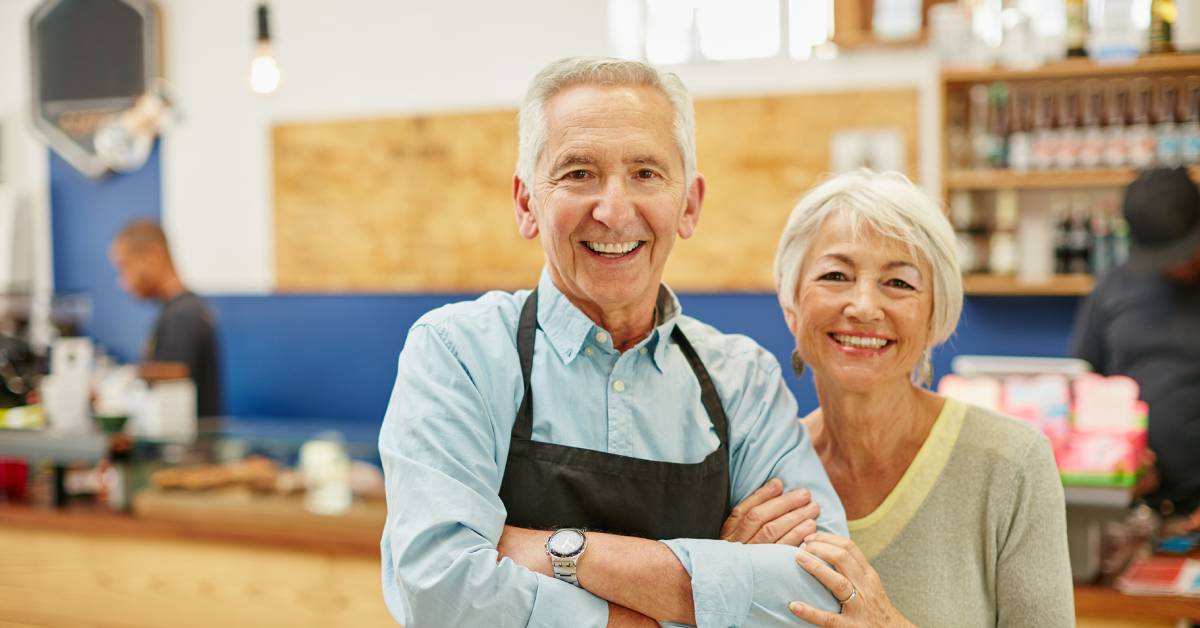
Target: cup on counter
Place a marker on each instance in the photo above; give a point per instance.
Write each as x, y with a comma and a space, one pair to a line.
325, 468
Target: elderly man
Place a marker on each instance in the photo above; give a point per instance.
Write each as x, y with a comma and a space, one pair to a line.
569, 456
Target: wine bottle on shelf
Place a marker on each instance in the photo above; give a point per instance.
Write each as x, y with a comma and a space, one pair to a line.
1062, 231
958, 139
1167, 139
1120, 235
998, 125
1101, 243
1080, 236
1116, 144
1091, 146
980, 140
1070, 136
1045, 139
1162, 21
1140, 135
1020, 142
1077, 28
1189, 148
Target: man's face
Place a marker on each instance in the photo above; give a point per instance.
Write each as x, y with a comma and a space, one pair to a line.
608, 196
135, 270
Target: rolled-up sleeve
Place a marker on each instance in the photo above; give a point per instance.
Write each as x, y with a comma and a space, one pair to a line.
439, 557
751, 585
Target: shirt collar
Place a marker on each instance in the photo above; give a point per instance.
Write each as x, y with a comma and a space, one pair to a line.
568, 329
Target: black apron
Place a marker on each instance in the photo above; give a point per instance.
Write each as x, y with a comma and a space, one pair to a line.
549, 486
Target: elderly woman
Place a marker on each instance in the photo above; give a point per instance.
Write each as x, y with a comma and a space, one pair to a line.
956, 513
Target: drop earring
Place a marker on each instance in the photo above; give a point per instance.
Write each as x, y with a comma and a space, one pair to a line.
797, 363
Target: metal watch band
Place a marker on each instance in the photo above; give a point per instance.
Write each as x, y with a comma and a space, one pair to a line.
564, 569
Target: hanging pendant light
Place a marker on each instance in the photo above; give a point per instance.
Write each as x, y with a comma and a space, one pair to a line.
264, 71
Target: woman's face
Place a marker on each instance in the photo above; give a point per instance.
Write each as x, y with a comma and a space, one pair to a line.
863, 307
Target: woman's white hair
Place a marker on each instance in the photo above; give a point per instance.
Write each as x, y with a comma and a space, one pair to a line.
891, 205
571, 71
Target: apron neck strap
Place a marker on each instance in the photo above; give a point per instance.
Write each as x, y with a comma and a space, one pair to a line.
526, 332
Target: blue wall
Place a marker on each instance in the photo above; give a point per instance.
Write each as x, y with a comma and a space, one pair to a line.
332, 358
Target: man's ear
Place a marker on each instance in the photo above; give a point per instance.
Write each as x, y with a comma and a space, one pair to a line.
691, 211
526, 219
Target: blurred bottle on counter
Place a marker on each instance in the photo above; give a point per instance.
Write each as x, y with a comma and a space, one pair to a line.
1044, 137
1077, 28
1167, 139
1120, 236
1162, 21
1115, 34
1020, 141
1069, 135
1091, 144
1139, 134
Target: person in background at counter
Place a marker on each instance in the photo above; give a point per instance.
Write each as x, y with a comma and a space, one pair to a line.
184, 341
593, 402
1143, 320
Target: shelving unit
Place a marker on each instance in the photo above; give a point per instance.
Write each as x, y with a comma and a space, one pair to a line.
1004, 285
956, 81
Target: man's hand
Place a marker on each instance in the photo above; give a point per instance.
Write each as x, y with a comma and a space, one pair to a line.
771, 516
526, 548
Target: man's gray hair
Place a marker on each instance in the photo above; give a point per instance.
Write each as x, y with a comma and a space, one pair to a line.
891, 205
602, 71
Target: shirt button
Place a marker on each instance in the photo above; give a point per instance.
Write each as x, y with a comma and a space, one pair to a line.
642, 351
619, 386
601, 337
588, 351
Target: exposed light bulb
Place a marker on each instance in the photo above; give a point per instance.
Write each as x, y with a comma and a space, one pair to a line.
264, 71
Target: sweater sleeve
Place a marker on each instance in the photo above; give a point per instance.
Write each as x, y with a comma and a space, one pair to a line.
1033, 577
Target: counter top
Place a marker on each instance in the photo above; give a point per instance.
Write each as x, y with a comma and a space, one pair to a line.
230, 516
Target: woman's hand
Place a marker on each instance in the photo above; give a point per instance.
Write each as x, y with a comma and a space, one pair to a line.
769, 515
855, 584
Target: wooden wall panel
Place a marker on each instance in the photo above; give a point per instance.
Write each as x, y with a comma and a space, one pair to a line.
423, 204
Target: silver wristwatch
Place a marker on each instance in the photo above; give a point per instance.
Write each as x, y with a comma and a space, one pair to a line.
565, 547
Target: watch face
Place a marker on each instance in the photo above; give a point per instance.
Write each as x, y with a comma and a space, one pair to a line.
565, 543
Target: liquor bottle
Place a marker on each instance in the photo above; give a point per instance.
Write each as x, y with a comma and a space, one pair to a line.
1120, 236
1102, 256
980, 141
1167, 139
1162, 20
1077, 28
1140, 136
1020, 142
958, 139
1091, 146
1190, 129
1080, 236
1070, 136
1116, 143
1062, 233
998, 125
1045, 139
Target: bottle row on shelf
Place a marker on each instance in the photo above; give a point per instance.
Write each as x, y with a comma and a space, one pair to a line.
1052, 234
1075, 124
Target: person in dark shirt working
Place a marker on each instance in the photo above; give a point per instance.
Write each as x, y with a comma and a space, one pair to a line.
183, 343
1143, 320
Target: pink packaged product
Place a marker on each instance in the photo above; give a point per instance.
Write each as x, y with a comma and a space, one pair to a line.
1107, 435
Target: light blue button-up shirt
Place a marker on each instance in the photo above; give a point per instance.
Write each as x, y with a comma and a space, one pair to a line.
445, 441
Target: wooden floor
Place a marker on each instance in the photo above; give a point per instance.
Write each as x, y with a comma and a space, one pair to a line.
76, 580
